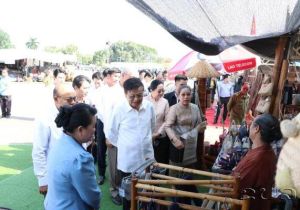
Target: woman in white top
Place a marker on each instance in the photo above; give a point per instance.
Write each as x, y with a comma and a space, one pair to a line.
161, 107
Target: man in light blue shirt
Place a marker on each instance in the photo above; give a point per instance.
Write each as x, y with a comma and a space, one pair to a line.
5, 93
225, 91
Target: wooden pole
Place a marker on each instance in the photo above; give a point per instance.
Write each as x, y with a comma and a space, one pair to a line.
169, 203
281, 83
200, 140
279, 56
156, 194
159, 176
236, 191
202, 93
245, 204
190, 194
193, 171
186, 182
133, 194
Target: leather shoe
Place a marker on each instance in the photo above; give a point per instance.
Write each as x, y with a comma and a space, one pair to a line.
117, 200
101, 180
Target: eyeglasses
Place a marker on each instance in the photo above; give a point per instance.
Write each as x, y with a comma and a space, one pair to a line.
132, 97
69, 99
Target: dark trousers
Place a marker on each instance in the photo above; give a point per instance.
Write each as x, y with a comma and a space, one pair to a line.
5, 102
223, 102
126, 203
161, 150
101, 146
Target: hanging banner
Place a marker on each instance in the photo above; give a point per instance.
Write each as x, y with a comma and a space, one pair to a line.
239, 65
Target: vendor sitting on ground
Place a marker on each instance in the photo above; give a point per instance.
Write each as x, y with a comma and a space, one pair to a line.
238, 104
257, 169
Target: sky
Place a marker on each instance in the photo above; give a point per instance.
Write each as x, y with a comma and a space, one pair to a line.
89, 24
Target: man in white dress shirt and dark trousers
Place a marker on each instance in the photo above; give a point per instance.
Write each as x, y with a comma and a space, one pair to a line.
225, 91
131, 129
46, 132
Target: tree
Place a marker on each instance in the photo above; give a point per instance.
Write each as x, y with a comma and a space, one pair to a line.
100, 57
5, 42
85, 59
122, 51
32, 43
70, 49
52, 49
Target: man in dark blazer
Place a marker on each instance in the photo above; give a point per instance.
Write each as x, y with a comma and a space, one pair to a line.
172, 97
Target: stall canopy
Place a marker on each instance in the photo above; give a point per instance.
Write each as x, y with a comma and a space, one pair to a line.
210, 26
9, 56
230, 60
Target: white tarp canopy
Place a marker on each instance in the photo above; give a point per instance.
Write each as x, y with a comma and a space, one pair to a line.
9, 56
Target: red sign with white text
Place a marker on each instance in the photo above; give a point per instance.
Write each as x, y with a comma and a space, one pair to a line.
239, 65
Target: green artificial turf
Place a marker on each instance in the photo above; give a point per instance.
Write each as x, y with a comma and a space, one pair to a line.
18, 185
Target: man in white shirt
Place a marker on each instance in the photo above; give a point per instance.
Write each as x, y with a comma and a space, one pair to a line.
130, 129
5, 93
225, 91
110, 94
46, 133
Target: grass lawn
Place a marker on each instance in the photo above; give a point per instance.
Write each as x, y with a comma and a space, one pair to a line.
18, 185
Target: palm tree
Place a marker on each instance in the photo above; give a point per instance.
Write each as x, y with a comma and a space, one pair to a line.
32, 43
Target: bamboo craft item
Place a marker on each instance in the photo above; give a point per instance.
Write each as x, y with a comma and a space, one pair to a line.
162, 195
224, 194
193, 171
135, 185
168, 203
211, 185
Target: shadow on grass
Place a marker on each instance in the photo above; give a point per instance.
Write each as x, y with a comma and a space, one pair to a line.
14, 158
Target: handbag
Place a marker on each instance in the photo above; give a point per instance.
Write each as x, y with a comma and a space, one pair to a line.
125, 189
266, 89
263, 105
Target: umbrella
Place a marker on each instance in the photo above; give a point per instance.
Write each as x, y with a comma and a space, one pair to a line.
238, 59
203, 69
183, 64
231, 60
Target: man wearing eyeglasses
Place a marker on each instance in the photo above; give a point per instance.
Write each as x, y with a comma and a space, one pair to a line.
130, 130
46, 133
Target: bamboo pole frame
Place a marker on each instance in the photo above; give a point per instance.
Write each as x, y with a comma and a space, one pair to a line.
160, 176
156, 194
133, 204
168, 203
186, 182
193, 171
189, 194
245, 204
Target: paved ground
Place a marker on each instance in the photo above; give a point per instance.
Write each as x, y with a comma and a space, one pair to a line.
28, 101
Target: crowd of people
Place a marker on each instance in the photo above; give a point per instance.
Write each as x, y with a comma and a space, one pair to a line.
130, 119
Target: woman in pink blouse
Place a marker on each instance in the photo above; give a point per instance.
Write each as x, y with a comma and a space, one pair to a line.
182, 126
161, 106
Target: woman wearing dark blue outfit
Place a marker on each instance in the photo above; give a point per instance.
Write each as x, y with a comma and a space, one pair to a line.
71, 172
